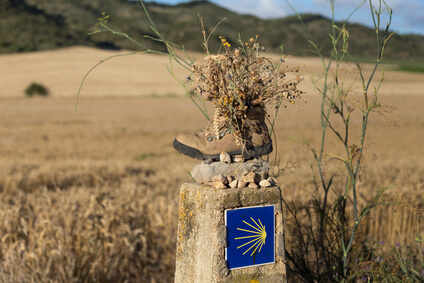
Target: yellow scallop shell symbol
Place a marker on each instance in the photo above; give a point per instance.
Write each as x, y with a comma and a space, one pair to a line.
257, 236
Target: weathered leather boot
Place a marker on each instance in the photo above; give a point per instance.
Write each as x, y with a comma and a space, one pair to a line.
250, 138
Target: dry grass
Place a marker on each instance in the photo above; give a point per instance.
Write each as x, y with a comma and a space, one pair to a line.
62, 71
93, 195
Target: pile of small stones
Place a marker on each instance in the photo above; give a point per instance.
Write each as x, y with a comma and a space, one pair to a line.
250, 180
233, 172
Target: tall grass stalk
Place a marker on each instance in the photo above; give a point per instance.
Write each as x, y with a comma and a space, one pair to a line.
172, 50
335, 213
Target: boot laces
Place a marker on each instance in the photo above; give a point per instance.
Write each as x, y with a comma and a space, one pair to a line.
219, 128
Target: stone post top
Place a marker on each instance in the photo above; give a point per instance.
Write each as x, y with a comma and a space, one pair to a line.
231, 197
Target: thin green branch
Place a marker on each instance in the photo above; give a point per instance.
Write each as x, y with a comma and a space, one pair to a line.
101, 62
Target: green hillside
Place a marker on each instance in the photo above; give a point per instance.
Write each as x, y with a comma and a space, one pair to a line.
29, 25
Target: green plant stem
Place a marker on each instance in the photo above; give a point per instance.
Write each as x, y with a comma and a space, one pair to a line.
354, 154
95, 66
171, 52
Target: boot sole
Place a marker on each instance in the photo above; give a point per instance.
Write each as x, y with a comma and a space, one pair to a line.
248, 153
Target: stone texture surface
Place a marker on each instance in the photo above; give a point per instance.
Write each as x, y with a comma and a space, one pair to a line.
203, 173
202, 234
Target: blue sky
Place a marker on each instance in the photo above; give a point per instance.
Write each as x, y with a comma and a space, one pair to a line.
408, 15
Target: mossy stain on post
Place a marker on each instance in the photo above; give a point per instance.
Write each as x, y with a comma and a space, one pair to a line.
185, 216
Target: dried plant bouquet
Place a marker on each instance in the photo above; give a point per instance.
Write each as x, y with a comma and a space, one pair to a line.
236, 79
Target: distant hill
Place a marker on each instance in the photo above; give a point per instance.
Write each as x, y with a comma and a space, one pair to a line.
30, 25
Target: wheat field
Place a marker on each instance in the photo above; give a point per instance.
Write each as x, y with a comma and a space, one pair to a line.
92, 195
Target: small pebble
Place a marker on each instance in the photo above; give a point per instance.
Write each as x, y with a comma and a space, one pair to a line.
219, 185
265, 183
234, 184
253, 186
251, 177
241, 184
230, 179
238, 158
225, 157
220, 178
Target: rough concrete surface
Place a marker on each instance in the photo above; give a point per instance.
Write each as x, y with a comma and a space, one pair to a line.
202, 234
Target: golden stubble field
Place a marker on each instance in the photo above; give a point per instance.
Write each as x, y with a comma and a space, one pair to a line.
93, 194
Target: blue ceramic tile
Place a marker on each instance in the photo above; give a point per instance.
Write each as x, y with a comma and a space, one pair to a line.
250, 236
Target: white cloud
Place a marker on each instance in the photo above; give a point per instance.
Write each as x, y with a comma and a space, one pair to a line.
354, 3
408, 15
265, 9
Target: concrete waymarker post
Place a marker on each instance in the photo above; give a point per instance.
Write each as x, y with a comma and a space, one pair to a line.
230, 235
